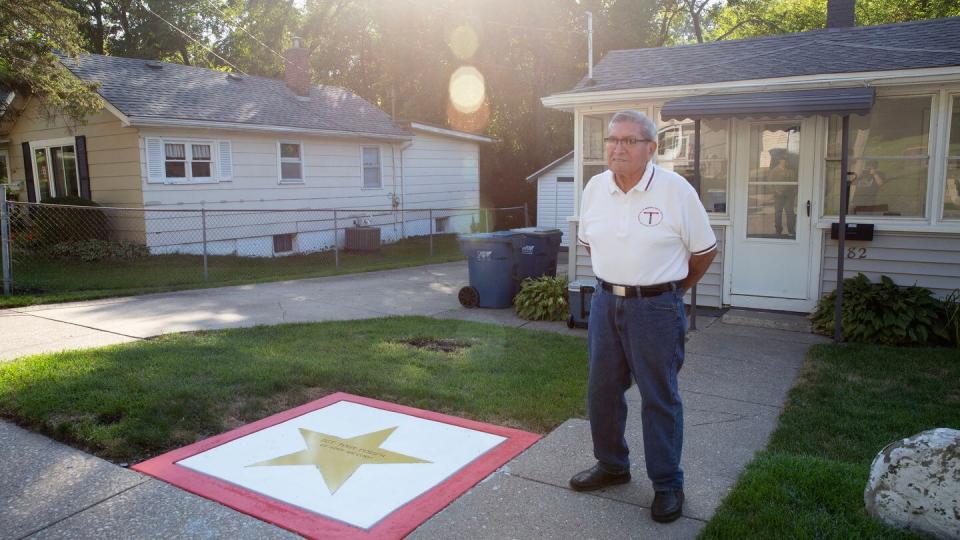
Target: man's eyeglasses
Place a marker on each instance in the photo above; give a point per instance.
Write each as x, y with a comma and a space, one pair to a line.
629, 142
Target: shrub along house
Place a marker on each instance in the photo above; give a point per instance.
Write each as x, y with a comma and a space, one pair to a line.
769, 112
175, 136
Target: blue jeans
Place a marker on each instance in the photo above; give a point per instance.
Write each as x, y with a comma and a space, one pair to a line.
642, 338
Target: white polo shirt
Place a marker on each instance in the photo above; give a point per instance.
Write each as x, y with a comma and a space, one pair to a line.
647, 235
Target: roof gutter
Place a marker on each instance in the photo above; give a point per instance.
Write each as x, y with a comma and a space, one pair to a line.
451, 133
568, 101
140, 121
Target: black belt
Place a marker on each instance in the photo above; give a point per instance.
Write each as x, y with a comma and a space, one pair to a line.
629, 291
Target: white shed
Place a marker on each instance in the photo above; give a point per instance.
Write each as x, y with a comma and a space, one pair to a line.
555, 194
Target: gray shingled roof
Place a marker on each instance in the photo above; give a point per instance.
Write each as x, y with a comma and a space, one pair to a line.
912, 45
176, 91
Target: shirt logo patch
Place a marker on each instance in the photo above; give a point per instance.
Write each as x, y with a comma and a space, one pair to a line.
650, 216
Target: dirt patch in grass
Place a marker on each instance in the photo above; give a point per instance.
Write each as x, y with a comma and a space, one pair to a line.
437, 344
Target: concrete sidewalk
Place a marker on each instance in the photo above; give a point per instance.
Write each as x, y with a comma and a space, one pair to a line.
733, 384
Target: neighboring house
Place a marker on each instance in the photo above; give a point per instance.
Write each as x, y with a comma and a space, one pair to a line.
770, 110
175, 136
555, 194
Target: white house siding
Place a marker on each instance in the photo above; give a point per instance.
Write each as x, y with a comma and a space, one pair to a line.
332, 180
555, 199
440, 172
927, 260
708, 289
111, 160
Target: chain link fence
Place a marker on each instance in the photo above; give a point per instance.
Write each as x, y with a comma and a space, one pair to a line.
51, 249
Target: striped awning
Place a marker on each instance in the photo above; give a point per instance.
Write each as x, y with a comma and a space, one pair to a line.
826, 101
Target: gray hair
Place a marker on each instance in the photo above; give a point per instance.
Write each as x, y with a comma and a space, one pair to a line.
636, 117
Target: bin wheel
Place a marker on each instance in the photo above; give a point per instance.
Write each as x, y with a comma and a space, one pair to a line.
469, 297
570, 323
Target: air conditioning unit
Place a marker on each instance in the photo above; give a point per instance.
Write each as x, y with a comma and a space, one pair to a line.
362, 239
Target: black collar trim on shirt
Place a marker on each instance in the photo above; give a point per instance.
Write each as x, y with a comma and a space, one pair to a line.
653, 172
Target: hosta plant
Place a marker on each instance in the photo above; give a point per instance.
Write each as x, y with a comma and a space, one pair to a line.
542, 299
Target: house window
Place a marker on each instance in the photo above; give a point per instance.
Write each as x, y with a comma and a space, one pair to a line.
889, 159
441, 224
202, 165
282, 243
675, 151
188, 160
594, 158
175, 160
371, 167
55, 169
4, 167
951, 191
291, 162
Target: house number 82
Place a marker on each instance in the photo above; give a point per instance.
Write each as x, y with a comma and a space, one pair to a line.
857, 253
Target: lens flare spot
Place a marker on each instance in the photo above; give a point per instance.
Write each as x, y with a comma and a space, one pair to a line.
463, 41
467, 89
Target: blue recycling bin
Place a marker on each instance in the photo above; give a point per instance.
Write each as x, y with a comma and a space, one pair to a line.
492, 263
539, 249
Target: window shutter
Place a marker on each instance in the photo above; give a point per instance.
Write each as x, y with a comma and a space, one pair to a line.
225, 161
154, 160
83, 168
28, 172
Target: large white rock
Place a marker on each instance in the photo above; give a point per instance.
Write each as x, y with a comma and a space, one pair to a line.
915, 484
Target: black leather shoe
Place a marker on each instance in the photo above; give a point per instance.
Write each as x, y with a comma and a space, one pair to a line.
667, 506
596, 478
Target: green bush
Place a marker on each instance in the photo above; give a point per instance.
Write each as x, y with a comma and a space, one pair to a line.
882, 313
542, 299
97, 250
950, 317
54, 224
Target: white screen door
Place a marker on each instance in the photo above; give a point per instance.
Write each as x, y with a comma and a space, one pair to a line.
771, 245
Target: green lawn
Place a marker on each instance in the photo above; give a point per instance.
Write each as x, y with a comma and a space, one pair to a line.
129, 402
41, 281
850, 401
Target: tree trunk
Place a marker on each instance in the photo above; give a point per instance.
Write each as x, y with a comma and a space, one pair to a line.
97, 6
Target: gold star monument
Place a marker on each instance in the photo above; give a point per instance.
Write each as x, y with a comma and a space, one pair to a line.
337, 459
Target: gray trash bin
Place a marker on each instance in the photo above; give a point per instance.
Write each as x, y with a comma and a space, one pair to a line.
579, 294
539, 248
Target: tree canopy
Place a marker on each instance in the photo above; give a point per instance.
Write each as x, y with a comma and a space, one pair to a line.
476, 65
30, 34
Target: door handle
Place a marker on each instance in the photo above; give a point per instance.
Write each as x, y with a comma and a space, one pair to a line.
808, 208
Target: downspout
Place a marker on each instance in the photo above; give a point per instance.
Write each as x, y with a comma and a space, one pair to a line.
403, 213
393, 196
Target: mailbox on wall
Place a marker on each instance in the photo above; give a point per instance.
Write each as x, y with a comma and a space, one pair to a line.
855, 231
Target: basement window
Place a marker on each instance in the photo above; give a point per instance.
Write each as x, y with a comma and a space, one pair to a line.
282, 243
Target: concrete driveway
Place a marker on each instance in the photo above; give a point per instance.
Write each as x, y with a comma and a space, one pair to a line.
425, 290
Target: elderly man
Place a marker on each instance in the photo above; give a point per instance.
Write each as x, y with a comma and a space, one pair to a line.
650, 240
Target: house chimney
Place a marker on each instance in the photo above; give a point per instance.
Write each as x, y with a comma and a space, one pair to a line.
840, 13
296, 69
